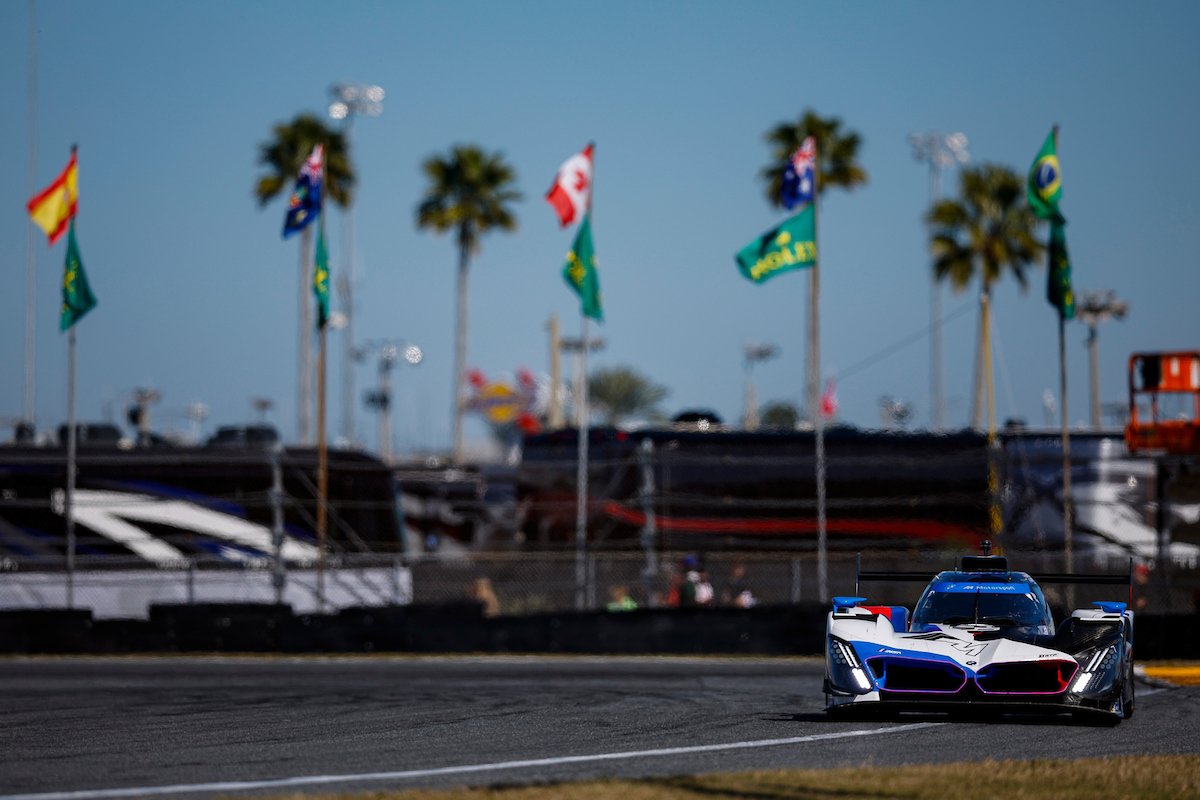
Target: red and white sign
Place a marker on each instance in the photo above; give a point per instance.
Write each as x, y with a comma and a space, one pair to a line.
572, 190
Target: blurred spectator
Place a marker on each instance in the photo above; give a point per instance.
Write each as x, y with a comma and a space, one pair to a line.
481, 591
1141, 586
738, 592
703, 589
619, 599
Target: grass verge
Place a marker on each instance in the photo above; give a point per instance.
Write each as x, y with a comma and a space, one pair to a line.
1140, 777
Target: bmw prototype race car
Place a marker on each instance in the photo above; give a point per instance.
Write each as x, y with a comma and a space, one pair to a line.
981, 637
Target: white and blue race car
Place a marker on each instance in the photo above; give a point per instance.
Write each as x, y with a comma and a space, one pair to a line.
981, 637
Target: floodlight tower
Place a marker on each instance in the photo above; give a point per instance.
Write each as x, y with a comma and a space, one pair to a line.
938, 151
1098, 307
350, 100
390, 351
753, 353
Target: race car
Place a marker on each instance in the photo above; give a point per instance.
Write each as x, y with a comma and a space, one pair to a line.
981, 636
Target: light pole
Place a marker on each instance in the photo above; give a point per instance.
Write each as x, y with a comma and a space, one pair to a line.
390, 351
1098, 307
753, 353
937, 150
349, 101
580, 348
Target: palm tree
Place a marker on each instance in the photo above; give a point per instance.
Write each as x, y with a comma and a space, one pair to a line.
282, 156
622, 392
987, 232
780, 414
837, 166
469, 192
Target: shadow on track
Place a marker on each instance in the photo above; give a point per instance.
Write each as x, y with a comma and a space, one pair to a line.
1078, 719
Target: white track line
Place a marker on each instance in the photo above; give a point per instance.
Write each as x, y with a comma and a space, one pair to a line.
313, 780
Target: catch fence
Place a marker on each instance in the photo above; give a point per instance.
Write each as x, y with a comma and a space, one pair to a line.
528, 583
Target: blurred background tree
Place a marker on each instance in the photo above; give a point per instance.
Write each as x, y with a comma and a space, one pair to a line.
984, 234
780, 414
281, 156
622, 392
470, 192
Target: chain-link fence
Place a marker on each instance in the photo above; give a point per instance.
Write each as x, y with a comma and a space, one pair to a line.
527, 583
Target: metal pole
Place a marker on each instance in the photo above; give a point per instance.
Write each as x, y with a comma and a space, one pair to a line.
581, 476
385, 399
650, 525
278, 569
30, 251
304, 377
822, 546
1162, 565
69, 496
814, 371
1068, 550
322, 471
1094, 368
750, 415
348, 305
935, 313
554, 406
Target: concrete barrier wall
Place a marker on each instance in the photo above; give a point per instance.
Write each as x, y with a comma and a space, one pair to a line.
462, 628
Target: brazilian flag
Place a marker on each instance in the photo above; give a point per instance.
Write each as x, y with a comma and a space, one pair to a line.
77, 293
580, 271
321, 277
1044, 187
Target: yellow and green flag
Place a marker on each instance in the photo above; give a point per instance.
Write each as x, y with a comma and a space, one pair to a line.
1058, 284
1044, 187
1044, 191
790, 245
77, 294
321, 276
580, 271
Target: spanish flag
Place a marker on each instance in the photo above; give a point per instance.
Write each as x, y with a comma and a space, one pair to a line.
54, 207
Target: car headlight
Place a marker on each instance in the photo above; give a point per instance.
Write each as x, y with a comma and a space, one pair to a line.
1097, 670
846, 671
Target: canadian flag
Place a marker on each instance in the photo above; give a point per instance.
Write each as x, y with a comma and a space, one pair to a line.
572, 189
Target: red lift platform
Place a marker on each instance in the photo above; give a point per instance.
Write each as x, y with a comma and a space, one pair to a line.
1164, 403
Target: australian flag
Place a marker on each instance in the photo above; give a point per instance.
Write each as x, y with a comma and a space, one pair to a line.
304, 205
798, 180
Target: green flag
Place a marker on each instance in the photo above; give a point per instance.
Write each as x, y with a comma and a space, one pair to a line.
1044, 187
580, 271
321, 277
1058, 283
77, 294
791, 245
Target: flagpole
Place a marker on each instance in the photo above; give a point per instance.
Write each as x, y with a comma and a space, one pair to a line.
322, 470
814, 370
581, 474
1068, 550
69, 495
304, 370
30, 251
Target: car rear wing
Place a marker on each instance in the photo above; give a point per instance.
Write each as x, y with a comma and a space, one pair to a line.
1103, 578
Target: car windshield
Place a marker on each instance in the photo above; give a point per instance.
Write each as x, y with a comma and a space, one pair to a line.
1003, 605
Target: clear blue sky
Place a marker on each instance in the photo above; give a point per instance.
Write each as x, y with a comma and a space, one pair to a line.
169, 102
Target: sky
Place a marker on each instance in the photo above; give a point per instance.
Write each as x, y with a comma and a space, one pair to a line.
197, 290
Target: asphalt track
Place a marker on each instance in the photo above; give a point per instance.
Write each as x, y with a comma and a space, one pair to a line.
202, 727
